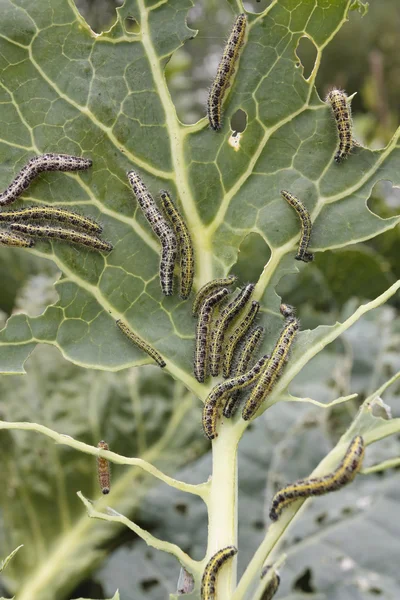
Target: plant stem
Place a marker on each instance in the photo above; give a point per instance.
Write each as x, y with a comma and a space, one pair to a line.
222, 506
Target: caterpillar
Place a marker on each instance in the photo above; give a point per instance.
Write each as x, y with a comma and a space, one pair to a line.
222, 324
202, 333
233, 340
162, 230
7, 238
50, 213
39, 164
208, 288
212, 569
273, 369
342, 111
317, 486
185, 245
140, 343
246, 353
226, 69
103, 469
306, 226
272, 582
215, 397
60, 233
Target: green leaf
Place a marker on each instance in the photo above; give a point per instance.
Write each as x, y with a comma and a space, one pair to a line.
104, 96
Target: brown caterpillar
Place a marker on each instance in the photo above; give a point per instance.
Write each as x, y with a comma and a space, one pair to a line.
317, 486
140, 343
39, 164
306, 226
209, 287
215, 397
162, 230
246, 353
50, 213
222, 324
342, 112
212, 570
184, 243
60, 233
203, 333
239, 331
273, 368
103, 470
226, 69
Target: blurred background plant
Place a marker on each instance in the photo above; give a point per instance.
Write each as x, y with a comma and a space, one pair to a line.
142, 415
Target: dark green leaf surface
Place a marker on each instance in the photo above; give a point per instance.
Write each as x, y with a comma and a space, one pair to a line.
65, 89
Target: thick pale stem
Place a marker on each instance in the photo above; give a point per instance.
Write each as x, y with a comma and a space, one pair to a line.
222, 506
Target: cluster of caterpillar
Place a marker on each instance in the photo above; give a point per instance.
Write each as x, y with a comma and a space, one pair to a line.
21, 232
263, 375
173, 233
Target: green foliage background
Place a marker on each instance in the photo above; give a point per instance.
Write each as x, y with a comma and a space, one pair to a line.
62, 89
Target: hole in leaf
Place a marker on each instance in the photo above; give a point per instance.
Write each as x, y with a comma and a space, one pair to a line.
99, 18
258, 525
306, 52
347, 511
320, 519
239, 121
256, 6
375, 591
304, 583
254, 253
131, 25
385, 199
149, 584
181, 508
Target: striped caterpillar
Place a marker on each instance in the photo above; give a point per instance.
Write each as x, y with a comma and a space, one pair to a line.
162, 230
272, 581
222, 324
212, 570
317, 486
246, 353
7, 238
39, 164
140, 343
184, 240
203, 333
306, 226
341, 109
208, 288
215, 397
103, 470
226, 69
60, 233
273, 368
50, 213
239, 331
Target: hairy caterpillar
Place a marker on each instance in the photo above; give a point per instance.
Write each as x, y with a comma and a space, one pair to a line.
317, 486
306, 226
233, 340
162, 230
103, 470
184, 240
273, 369
215, 397
226, 317
246, 353
59, 233
226, 69
50, 213
7, 238
140, 343
202, 333
272, 582
212, 569
208, 288
39, 164
342, 112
